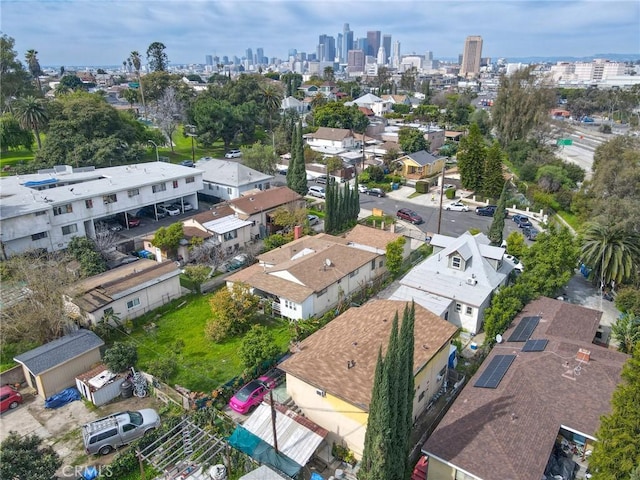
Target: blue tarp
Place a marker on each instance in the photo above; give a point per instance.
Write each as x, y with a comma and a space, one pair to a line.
38, 183
67, 395
261, 451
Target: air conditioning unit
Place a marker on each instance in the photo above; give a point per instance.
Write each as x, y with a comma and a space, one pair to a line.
471, 281
322, 393
438, 378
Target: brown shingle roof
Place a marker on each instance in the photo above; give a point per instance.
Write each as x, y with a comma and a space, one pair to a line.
213, 214
335, 134
266, 200
515, 425
357, 335
373, 237
284, 253
190, 232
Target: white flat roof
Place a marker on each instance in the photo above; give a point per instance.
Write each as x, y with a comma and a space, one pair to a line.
226, 224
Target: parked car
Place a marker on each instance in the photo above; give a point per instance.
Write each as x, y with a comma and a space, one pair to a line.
487, 211
518, 264
313, 219
10, 398
378, 192
362, 188
254, 392
522, 221
282, 171
457, 207
530, 233
409, 215
170, 210
237, 262
112, 225
106, 434
187, 163
149, 212
186, 206
129, 221
233, 154
316, 191
322, 179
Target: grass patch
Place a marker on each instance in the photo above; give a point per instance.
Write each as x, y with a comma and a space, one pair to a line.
203, 365
415, 194
571, 219
376, 221
317, 213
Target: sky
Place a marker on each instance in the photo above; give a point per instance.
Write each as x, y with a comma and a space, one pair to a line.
91, 32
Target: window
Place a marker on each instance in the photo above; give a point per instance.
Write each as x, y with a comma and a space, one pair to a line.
133, 303
458, 307
354, 273
69, 229
128, 427
38, 236
421, 396
373, 264
175, 184
456, 262
443, 371
42, 212
133, 192
160, 187
322, 292
107, 199
290, 305
229, 191
469, 310
380, 264
190, 179
107, 311
62, 209
230, 235
88, 203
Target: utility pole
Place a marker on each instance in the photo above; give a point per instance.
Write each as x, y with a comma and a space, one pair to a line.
192, 134
441, 195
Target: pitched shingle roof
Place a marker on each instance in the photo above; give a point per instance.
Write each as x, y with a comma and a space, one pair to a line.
335, 134
373, 237
422, 158
59, 351
218, 212
265, 200
357, 335
516, 424
225, 172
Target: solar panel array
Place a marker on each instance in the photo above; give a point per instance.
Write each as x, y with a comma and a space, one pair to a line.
535, 345
524, 329
494, 372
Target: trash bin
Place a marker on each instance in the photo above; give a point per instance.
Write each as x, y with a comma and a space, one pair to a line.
126, 389
395, 186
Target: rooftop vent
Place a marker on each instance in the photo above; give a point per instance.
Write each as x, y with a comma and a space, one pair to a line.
583, 355
471, 281
351, 364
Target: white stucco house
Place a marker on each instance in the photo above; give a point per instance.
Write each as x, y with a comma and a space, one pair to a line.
458, 280
331, 140
227, 179
292, 103
375, 103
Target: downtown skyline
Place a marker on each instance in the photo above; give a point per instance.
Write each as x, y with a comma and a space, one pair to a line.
76, 32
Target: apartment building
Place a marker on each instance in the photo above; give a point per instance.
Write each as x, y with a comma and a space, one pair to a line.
47, 209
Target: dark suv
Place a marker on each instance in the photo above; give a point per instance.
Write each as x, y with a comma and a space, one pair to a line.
409, 216
487, 211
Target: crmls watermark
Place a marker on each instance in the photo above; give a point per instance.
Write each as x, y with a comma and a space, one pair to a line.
86, 472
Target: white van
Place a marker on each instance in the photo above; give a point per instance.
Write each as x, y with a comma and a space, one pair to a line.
316, 191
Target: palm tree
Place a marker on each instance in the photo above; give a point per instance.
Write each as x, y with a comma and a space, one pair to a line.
611, 252
34, 67
136, 61
32, 115
272, 97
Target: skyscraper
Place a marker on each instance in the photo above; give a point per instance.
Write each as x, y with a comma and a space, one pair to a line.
326, 48
208, 59
373, 42
347, 41
249, 55
395, 56
355, 61
386, 43
380, 58
260, 55
339, 49
471, 56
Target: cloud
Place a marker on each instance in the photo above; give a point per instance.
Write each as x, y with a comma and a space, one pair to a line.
92, 32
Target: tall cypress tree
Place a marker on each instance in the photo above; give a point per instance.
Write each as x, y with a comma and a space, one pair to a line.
497, 225
493, 179
392, 365
298, 170
406, 389
471, 157
329, 209
292, 161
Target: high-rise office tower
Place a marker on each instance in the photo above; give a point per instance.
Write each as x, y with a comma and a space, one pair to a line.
471, 56
373, 42
249, 55
293, 52
339, 47
380, 58
395, 55
386, 43
208, 59
347, 41
260, 55
361, 44
326, 48
355, 61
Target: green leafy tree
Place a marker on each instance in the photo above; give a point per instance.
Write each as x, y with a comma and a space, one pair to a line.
12, 135
130, 95
612, 253
257, 347
497, 224
120, 357
482, 119
71, 83
412, 140
394, 252
276, 240
168, 238
25, 458
342, 206
337, 115
616, 453
516, 245
297, 172
233, 310
198, 274
471, 159
493, 178
157, 58
334, 164
15, 79
626, 331
289, 217
260, 157
84, 250
32, 114
628, 300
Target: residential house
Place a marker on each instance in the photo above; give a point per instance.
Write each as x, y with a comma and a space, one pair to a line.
227, 179
375, 103
533, 408
331, 140
219, 226
127, 291
292, 103
311, 275
258, 208
375, 240
52, 367
330, 373
397, 99
46, 210
309, 89
435, 137
421, 164
458, 280
453, 135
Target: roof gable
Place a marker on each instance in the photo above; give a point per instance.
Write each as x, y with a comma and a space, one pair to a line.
264, 200
333, 134
422, 158
59, 351
226, 172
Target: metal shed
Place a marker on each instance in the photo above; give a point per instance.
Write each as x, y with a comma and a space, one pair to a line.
99, 385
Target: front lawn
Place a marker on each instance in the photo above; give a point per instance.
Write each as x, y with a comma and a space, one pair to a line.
203, 365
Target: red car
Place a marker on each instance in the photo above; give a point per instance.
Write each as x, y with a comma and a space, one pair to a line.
254, 392
9, 398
